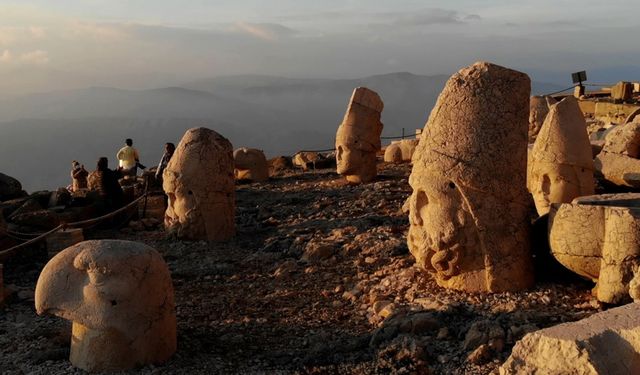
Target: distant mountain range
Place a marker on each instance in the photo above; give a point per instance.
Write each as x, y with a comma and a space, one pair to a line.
42, 133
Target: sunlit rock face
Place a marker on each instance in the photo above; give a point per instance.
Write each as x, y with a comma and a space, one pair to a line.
400, 151
119, 296
199, 182
469, 206
250, 164
598, 237
561, 164
358, 137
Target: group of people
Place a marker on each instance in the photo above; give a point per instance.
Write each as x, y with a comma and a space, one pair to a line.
106, 181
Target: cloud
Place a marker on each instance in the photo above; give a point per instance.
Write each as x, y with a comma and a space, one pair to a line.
266, 31
98, 30
37, 57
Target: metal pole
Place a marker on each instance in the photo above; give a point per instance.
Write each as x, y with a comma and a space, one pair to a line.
402, 133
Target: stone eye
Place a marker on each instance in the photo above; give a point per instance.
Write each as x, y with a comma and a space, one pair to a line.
452, 185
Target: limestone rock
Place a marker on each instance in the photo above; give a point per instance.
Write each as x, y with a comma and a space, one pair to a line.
538, 109
199, 183
622, 91
305, 159
605, 343
400, 151
618, 161
561, 166
119, 296
358, 137
469, 205
10, 188
598, 237
250, 164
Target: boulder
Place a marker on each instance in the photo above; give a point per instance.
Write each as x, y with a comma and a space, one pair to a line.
250, 164
605, 343
10, 188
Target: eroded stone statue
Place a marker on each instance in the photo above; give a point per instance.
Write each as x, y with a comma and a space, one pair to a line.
119, 296
538, 110
358, 137
619, 160
469, 206
598, 237
199, 181
561, 164
250, 164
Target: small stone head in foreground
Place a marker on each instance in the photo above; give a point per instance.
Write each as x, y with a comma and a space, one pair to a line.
358, 137
469, 207
119, 296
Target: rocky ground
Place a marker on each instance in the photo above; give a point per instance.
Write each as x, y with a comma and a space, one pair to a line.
318, 280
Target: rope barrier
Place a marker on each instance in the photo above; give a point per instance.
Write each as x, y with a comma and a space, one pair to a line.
333, 149
558, 92
10, 251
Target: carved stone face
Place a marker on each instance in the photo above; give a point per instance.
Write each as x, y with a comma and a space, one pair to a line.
442, 234
119, 296
358, 137
199, 182
554, 183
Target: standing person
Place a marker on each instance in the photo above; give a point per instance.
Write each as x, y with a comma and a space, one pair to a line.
169, 149
105, 182
128, 158
78, 177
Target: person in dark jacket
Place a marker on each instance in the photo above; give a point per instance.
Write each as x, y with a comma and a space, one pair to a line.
105, 182
169, 149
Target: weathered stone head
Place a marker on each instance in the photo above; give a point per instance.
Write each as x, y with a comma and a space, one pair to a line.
468, 210
250, 164
538, 110
561, 166
200, 185
358, 137
119, 296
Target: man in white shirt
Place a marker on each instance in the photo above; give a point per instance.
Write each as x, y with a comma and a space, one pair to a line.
128, 158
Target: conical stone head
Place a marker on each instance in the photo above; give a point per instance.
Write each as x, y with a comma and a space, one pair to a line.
469, 206
561, 160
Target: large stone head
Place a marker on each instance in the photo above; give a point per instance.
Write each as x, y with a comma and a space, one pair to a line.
199, 183
358, 137
468, 209
250, 164
119, 296
561, 166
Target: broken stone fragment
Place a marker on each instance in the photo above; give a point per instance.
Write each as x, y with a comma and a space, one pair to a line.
618, 161
119, 296
469, 207
358, 137
605, 343
598, 237
400, 151
538, 109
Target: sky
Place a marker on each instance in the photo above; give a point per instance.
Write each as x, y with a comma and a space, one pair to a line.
64, 44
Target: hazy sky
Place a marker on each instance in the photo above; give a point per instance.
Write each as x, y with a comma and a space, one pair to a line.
145, 43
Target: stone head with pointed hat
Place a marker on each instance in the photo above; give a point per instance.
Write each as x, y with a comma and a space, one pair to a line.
561, 163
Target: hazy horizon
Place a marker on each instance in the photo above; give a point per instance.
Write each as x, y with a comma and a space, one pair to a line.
47, 45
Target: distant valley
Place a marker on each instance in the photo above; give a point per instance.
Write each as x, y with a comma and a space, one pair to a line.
41, 133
